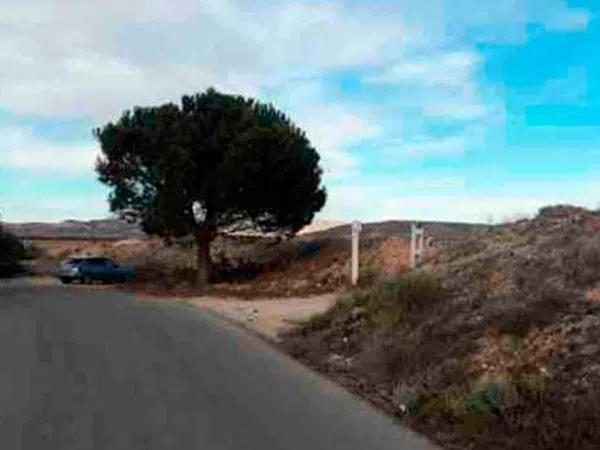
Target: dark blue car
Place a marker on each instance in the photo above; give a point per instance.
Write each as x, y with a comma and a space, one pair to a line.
90, 270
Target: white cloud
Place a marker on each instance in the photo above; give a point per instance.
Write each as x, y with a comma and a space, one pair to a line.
454, 145
456, 110
332, 131
53, 209
467, 208
331, 126
445, 85
55, 158
504, 22
453, 68
20, 149
422, 145
458, 203
98, 61
72, 58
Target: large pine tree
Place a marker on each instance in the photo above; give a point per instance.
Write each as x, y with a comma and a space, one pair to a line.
214, 162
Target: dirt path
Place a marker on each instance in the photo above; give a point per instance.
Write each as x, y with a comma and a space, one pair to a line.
268, 317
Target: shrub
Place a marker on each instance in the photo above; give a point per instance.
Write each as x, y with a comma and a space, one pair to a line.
436, 405
309, 249
529, 384
388, 302
536, 310
581, 261
518, 322
322, 321
550, 421
407, 397
490, 399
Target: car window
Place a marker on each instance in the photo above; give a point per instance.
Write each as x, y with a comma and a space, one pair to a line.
102, 262
95, 262
73, 261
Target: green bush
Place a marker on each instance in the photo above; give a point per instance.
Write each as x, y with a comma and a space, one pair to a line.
387, 303
490, 399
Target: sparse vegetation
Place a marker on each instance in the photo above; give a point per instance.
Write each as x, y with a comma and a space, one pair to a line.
387, 303
492, 346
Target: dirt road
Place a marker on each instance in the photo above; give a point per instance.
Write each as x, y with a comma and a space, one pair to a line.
267, 317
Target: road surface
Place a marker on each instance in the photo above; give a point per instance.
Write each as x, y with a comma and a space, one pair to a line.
83, 369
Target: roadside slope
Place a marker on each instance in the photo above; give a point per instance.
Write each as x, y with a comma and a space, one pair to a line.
493, 345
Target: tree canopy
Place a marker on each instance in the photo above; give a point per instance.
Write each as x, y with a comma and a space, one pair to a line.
214, 162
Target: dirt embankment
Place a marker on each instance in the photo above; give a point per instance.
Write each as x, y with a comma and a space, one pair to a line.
494, 344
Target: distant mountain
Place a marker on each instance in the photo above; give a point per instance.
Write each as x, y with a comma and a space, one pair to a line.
74, 229
320, 229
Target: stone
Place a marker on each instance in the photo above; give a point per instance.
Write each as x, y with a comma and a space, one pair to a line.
357, 312
590, 349
338, 361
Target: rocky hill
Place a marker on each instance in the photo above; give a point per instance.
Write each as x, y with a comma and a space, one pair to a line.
494, 344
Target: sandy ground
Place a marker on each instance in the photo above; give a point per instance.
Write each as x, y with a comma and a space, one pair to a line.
268, 317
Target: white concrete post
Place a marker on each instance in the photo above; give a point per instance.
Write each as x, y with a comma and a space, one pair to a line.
413, 245
356, 228
417, 243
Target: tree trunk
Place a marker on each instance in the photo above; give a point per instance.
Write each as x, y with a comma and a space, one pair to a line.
203, 263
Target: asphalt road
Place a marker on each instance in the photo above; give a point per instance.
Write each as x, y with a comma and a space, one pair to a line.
83, 369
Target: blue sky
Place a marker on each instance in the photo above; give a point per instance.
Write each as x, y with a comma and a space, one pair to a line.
442, 110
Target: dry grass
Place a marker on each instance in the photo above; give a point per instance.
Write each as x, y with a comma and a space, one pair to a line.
388, 303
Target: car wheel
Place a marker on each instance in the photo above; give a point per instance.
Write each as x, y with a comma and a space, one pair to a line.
66, 280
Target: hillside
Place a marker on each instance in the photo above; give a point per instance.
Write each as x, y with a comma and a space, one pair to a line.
494, 344
109, 229
315, 262
318, 229
74, 229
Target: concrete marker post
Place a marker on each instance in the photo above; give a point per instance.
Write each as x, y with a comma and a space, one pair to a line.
356, 228
417, 244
